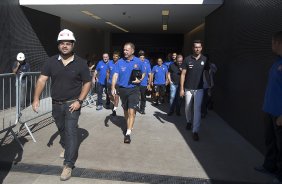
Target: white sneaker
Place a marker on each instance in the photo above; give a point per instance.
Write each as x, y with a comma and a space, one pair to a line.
66, 173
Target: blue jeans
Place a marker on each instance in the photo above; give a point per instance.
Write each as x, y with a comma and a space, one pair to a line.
175, 100
67, 124
100, 88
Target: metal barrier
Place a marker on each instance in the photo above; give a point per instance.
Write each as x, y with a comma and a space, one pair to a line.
16, 99
27, 82
9, 113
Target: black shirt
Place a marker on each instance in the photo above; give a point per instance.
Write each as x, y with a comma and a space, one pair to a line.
66, 80
194, 72
175, 73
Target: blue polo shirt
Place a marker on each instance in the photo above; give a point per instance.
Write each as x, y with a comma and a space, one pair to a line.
159, 74
124, 69
168, 63
102, 72
111, 68
273, 94
147, 66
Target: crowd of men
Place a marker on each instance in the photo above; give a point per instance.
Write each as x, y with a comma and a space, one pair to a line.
125, 77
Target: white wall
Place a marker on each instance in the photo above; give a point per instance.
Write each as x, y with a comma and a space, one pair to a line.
88, 40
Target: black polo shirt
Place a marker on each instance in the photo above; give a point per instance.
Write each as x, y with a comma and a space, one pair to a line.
66, 80
194, 72
175, 73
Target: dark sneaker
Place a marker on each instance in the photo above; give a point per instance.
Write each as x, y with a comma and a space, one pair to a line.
142, 112
114, 113
66, 173
195, 136
127, 139
170, 113
189, 126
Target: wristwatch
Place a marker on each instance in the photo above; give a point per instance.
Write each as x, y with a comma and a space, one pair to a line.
80, 101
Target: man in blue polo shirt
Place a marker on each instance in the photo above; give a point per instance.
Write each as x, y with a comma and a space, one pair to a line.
171, 60
145, 84
128, 85
101, 71
110, 72
273, 113
159, 74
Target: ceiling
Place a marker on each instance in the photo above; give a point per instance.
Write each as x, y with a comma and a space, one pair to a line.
136, 18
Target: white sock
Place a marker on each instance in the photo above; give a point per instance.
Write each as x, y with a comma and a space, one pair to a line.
115, 108
128, 132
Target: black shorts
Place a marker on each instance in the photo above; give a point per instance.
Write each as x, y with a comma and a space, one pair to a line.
129, 97
159, 88
109, 86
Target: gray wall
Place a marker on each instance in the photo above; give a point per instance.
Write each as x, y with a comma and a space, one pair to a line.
25, 30
196, 34
238, 40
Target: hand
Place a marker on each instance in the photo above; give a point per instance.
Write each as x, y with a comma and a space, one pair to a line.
137, 81
149, 87
35, 105
74, 106
114, 91
279, 121
181, 93
166, 83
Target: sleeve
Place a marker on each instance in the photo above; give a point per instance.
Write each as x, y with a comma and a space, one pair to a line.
184, 64
84, 73
170, 69
153, 70
116, 68
98, 66
149, 68
45, 70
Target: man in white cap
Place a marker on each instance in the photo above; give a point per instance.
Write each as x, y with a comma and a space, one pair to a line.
19, 67
71, 83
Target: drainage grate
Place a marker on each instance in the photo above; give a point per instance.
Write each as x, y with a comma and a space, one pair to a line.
109, 175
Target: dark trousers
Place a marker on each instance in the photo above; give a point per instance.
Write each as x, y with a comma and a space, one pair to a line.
100, 89
67, 124
143, 97
273, 143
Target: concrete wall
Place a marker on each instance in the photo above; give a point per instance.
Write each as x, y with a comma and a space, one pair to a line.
238, 40
89, 40
196, 34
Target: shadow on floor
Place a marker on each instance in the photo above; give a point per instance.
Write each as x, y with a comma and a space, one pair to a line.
11, 154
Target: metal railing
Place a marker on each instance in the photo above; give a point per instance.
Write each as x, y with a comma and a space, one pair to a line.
16, 99
8, 107
27, 82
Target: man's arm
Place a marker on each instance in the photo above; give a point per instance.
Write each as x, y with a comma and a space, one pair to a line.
182, 79
38, 90
114, 81
15, 68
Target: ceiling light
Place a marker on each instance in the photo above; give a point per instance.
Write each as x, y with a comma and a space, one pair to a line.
87, 13
116, 26
165, 12
96, 17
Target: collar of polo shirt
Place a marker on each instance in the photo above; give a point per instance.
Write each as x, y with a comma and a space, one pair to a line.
60, 57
